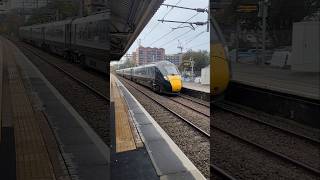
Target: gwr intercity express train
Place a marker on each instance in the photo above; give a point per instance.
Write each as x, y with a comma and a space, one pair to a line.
220, 67
162, 77
81, 40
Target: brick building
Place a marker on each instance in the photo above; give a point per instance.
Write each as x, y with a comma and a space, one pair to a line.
146, 55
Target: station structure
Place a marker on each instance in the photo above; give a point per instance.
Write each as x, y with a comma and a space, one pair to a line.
44, 137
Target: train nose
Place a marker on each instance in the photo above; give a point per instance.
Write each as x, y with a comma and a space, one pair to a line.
176, 83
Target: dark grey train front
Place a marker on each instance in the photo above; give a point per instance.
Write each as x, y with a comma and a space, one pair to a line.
162, 77
82, 40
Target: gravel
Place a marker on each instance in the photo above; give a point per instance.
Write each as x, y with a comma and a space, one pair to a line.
247, 162
244, 161
294, 147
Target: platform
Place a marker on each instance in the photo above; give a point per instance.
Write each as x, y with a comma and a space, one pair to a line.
42, 136
158, 157
277, 79
196, 87
196, 90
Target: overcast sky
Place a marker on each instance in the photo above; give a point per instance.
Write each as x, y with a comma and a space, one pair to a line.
190, 39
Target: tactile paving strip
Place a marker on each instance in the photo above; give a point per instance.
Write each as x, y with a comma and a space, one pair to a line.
32, 158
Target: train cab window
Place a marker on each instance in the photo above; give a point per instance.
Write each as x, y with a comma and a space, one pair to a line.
147, 70
169, 70
151, 71
138, 72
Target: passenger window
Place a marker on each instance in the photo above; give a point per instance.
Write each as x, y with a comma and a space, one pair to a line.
152, 69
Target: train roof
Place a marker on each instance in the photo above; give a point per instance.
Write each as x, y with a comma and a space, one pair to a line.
98, 16
57, 23
151, 65
95, 17
48, 24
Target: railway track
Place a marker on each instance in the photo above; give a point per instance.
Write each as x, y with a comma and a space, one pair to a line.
229, 108
218, 173
89, 77
192, 140
84, 96
195, 100
171, 110
60, 68
295, 150
193, 105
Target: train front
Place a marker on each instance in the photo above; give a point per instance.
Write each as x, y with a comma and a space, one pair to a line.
172, 77
220, 72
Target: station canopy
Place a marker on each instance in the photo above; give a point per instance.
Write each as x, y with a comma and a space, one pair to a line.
128, 18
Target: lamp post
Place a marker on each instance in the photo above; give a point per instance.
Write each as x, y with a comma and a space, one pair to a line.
192, 66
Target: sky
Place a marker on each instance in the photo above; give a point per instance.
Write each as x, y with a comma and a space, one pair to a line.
157, 34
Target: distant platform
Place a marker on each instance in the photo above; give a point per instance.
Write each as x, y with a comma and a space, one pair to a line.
196, 87
277, 79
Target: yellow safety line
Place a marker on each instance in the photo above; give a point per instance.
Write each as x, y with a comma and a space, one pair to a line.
124, 137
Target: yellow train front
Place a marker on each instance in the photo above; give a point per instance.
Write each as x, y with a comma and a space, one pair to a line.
220, 68
161, 77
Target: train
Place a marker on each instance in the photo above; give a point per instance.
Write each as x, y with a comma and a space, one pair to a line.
219, 60
161, 77
83, 40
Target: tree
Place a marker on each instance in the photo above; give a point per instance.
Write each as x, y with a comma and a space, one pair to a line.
11, 23
200, 58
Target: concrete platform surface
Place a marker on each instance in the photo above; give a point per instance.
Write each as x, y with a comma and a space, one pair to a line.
277, 79
167, 159
81, 153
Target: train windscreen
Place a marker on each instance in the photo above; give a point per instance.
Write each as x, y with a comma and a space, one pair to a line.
169, 70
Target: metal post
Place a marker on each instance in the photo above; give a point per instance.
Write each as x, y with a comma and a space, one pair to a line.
23, 7
264, 26
237, 39
257, 47
81, 9
208, 19
192, 65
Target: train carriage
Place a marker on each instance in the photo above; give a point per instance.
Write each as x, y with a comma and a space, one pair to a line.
90, 40
162, 77
55, 36
82, 40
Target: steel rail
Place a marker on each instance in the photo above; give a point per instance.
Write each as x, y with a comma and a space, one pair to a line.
283, 157
68, 74
204, 114
193, 100
221, 172
257, 120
